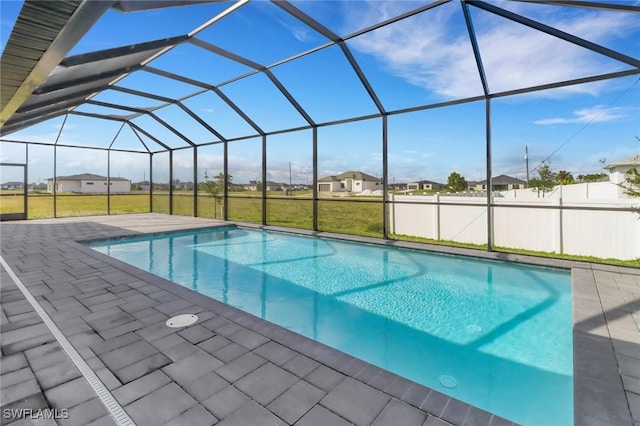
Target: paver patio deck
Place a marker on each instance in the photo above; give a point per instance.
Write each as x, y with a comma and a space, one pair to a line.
232, 368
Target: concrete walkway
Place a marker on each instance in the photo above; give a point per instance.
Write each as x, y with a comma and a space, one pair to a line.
232, 368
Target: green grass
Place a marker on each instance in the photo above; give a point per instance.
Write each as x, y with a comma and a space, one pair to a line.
337, 215
609, 261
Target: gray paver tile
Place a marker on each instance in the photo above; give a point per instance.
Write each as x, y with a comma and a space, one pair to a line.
194, 416
107, 378
170, 308
275, 352
434, 421
399, 413
127, 355
225, 402
435, 403
266, 383
179, 351
12, 363
160, 406
205, 386
141, 387
355, 401
477, 417
155, 331
296, 401
191, 367
248, 338
325, 378
252, 414
15, 377
230, 352
142, 367
57, 374
70, 393
196, 334
240, 367
455, 412
84, 413
167, 342
214, 344
112, 344
18, 391
320, 416
300, 365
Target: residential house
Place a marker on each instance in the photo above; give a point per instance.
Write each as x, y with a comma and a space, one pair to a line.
351, 181
424, 185
12, 186
618, 169
89, 183
501, 183
397, 186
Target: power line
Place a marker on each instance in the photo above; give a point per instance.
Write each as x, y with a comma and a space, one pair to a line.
586, 124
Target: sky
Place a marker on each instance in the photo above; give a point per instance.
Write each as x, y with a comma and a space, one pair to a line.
421, 60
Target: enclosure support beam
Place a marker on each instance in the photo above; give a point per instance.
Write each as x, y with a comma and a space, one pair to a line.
55, 163
171, 182
195, 181
225, 190
264, 179
150, 182
385, 178
109, 182
315, 178
26, 183
489, 180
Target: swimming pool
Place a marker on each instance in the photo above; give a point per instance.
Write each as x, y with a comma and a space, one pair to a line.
495, 335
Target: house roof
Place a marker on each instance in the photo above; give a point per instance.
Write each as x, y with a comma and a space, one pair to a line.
332, 178
428, 181
12, 184
87, 176
358, 175
502, 179
631, 161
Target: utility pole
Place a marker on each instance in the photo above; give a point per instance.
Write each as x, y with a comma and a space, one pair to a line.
289, 174
526, 160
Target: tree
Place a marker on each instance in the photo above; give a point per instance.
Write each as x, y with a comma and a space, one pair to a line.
215, 188
456, 182
631, 183
546, 179
563, 177
593, 177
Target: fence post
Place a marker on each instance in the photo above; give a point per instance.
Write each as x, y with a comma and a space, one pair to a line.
436, 216
392, 214
557, 214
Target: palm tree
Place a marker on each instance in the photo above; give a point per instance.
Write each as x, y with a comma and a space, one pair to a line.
563, 177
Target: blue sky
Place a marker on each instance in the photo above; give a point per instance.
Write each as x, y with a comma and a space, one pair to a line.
424, 59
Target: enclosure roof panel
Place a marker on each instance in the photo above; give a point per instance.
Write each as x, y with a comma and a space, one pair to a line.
316, 57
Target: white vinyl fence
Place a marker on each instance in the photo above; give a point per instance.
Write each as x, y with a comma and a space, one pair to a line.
533, 224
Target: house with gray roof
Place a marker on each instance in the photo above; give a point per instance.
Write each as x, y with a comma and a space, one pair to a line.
89, 183
501, 183
618, 169
351, 181
424, 185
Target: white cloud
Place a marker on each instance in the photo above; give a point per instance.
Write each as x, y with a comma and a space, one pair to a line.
596, 114
209, 110
423, 50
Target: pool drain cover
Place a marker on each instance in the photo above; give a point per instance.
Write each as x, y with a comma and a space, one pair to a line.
181, 320
448, 382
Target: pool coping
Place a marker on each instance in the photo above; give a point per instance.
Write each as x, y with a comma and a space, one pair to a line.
597, 399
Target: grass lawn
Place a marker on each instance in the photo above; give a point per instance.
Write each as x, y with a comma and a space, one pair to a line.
334, 215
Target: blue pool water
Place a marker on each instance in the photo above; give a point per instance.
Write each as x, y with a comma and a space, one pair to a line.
495, 335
